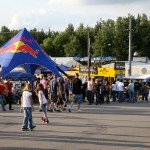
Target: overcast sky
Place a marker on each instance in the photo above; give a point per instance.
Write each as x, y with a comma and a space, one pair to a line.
57, 14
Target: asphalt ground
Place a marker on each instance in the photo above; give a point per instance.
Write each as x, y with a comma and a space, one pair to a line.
111, 126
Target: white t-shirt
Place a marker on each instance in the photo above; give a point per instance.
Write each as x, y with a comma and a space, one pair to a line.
90, 85
117, 82
114, 87
43, 100
120, 86
26, 99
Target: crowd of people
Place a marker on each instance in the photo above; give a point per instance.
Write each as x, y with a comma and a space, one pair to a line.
101, 91
53, 94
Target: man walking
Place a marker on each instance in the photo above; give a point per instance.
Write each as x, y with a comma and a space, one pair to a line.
54, 88
9, 97
77, 92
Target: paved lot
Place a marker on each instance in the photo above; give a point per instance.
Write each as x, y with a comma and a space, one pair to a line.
107, 127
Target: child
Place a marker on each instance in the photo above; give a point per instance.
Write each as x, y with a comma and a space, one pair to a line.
27, 106
42, 101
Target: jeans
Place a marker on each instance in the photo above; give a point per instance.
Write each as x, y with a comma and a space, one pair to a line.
27, 117
114, 96
131, 96
121, 96
98, 98
1, 102
102, 98
44, 108
90, 96
9, 101
145, 96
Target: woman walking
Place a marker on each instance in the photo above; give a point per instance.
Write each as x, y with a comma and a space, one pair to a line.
42, 101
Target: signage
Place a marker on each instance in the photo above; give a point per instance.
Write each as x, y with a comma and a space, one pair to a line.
119, 66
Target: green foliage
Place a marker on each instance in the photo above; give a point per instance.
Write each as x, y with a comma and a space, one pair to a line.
73, 42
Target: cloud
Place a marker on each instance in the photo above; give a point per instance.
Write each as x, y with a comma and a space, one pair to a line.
57, 14
109, 2
63, 2
27, 19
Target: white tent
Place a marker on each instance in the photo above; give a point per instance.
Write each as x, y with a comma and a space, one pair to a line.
136, 76
145, 76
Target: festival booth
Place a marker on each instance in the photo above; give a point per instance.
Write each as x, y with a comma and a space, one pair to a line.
22, 49
20, 76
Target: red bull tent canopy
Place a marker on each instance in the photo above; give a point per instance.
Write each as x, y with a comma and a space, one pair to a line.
23, 49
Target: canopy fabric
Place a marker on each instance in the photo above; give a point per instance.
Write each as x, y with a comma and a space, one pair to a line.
23, 49
20, 76
30, 68
148, 79
63, 67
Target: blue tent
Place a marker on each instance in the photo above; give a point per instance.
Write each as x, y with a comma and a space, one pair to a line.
20, 76
23, 49
148, 79
63, 67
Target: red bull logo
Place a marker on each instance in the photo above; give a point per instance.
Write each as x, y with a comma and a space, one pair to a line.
19, 47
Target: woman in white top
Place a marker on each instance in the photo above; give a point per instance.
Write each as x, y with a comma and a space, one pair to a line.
27, 106
114, 90
42, 101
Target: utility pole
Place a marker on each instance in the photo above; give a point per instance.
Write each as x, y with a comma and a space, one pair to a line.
130, 46
101, 55
89, 54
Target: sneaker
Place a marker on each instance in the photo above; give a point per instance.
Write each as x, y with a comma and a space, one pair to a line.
65, 105
58, 110
69, 110
50, 110
25, 129
79, 110
43, 119
32, 127
11, 109
46, 121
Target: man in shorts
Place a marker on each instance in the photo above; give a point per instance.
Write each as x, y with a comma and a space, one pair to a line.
77, 92
54, 94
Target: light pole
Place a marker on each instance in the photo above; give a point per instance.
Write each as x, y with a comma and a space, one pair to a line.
102, 52
130, 47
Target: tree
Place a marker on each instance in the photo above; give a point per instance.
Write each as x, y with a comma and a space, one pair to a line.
59, 41
121, 42
48, 47
104, 37
5, 35
81, 34
72, 47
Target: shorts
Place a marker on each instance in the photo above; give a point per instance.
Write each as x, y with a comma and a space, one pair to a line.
44, 108
77, 98
2, 88
54, 97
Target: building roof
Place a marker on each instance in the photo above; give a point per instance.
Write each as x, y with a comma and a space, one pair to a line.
67, 61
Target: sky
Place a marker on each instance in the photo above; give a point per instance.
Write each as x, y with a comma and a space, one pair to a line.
57, 14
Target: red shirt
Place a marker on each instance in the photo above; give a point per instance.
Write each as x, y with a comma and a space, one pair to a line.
2, 88
9, 87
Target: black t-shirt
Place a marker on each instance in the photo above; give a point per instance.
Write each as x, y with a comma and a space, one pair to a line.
137, 86
77, 84
53, 86
98, 87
